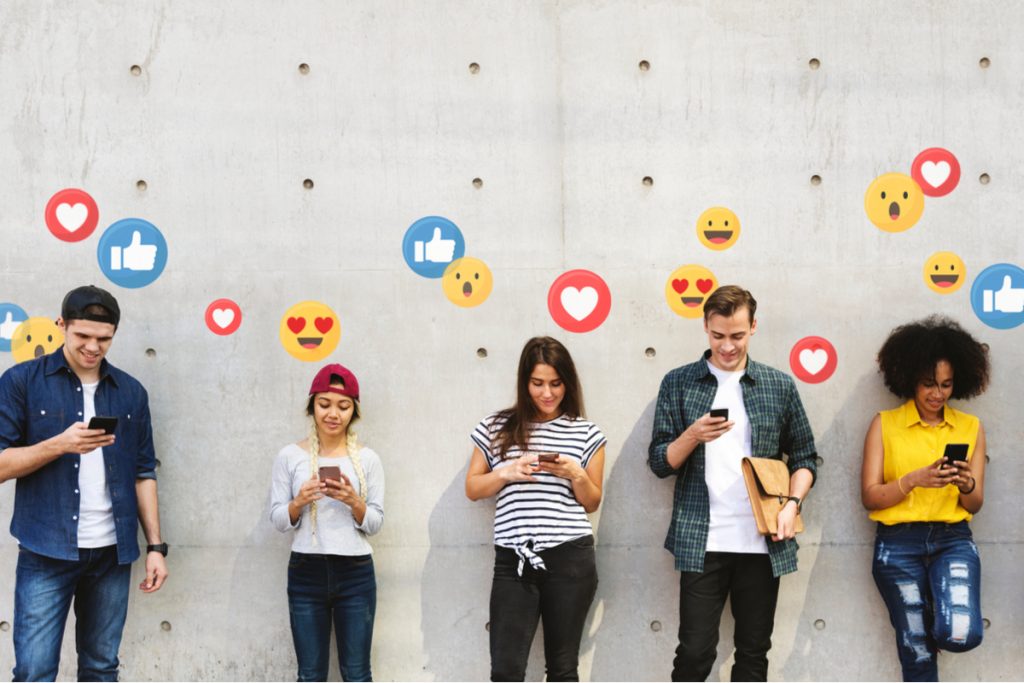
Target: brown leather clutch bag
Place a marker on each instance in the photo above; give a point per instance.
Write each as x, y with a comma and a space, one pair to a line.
767, 483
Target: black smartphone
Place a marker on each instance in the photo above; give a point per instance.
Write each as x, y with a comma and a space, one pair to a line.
107, 424
720, 412
956, 451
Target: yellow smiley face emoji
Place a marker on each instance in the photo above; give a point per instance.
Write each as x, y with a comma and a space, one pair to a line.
718, 228
35, 337
687, 289
894, 202
310, 331
467, 282
944, 272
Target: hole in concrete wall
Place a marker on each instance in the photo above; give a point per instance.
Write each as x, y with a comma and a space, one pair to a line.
136, 70
819, 624
487, 627
5, 626
984, 62
644, 65
655, 625
815, 179
141, 185
986, 623
481, 352
815, 64
151, 353
478, 183
474, 68
818, 461
303, 68
308, 183
648, 180
165, 625
984, 179
650, 352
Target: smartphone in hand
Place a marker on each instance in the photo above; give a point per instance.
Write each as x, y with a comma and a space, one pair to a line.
720, 412
332, 472
956, 451
547, 457
107, 424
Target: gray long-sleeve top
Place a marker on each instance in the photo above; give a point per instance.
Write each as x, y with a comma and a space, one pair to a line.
337, 531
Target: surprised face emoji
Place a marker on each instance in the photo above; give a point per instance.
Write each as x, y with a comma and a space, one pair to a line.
467, 282
894, 202
35, 337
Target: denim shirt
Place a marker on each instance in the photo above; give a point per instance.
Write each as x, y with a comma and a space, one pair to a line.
41, 398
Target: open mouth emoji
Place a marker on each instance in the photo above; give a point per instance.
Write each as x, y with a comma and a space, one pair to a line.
718, 228
35, 337
688, 288
894, 202
310, 331
467, 282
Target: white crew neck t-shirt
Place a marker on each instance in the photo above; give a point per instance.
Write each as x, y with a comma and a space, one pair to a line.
95, 510
732, 528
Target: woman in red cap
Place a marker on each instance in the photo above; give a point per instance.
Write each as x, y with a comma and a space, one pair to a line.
328, 490
545, 463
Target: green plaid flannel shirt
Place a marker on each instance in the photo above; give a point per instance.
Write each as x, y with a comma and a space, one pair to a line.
779, 425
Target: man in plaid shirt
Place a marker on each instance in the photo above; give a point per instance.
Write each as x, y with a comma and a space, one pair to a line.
713, 536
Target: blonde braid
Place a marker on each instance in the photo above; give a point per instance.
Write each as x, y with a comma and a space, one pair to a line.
314, 467
352, 445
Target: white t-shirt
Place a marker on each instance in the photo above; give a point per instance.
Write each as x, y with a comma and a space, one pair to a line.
95, 509
732, 528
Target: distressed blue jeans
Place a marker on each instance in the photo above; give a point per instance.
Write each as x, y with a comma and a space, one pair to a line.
43, 594
332, 588
929, 575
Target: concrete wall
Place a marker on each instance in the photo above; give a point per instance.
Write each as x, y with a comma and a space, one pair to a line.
560, 124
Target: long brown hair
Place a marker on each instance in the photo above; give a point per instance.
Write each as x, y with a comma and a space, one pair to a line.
539, 350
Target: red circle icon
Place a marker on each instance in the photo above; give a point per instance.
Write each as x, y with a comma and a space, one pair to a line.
579, 301
813, 359
223, 317
71, 215
936, 170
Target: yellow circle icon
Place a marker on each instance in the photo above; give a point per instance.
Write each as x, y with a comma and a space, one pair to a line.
944, 272
35, 337
687, 289
467, 282
718, 228
894, 202
310, 331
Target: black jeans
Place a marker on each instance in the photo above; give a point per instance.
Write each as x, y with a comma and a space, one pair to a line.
561, 596
745, 578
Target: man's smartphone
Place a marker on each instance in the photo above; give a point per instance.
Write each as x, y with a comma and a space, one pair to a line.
107, 424
547, 457
956, 451
720, 412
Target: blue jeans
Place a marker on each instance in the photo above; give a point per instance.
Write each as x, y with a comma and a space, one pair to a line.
326, 588
929, 575
43, 594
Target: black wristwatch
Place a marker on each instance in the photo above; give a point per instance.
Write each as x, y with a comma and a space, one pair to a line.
799, 503
157, 548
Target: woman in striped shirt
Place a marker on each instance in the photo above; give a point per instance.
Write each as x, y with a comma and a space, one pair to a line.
545, 462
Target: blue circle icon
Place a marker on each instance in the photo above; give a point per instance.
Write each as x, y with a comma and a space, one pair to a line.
997, 296
432, 243
132, 253
11, 315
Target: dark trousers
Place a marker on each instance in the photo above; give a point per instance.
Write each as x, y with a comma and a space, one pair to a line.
747, 580
929, 575
560, 596
332, 588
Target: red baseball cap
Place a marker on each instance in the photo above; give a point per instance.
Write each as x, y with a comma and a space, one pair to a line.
322, 381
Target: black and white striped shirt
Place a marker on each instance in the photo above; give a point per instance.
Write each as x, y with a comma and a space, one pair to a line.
540, 514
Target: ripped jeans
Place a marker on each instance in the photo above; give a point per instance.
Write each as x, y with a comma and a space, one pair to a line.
929, 575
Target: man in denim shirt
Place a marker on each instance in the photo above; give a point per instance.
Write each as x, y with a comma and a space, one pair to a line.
80, 494
713, 536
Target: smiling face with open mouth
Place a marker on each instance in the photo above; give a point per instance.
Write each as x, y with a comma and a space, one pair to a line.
944, 272
687, 288
310, 331
718, 228
894, 202
467, 282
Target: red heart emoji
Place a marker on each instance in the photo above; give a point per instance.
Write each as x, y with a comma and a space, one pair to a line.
680, 285
324, 324
296, 324
704, 286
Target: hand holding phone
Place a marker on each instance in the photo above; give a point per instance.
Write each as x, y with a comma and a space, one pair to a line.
956, 451
107, 424
332, 472
547, 457
720, 412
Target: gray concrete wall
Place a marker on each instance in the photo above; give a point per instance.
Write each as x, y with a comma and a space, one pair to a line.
561, 125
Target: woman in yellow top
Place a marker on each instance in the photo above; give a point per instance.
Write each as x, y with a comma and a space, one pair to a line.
926, 565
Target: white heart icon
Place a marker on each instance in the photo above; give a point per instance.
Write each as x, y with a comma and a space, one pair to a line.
935, 173
223, 317
813, 361
579, 303
72, 217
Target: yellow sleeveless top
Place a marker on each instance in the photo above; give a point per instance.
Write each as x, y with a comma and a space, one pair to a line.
909, 444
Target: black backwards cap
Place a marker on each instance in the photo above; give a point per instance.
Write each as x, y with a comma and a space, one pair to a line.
81, 298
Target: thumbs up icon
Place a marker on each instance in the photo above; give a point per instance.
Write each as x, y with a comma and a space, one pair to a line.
1006, 300
136, 256
8, 326
437, 250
